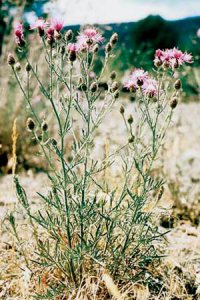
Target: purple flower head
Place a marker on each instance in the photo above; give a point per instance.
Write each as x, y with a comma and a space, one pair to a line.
136, 79
172, 57
19, 34
56, 24
89, 37
150, 87
40, 24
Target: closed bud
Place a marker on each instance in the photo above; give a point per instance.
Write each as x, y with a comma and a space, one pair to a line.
72, 56
95, 49
122, 110
114, 86
93, 87
173, 103
113, 75
10, 59
84, 87
89, 42
68, 35
50, 40
131, 139
166, 64
44, 126
41, 32
21, 43
57, 35
80, 81
114, 39
17, 67
157, 62
30, 124
28, 67
132, 89
140, 82
54, 142
130, 119
176, 65
160, 193
62, 50
116, 94
108, 47
177, 84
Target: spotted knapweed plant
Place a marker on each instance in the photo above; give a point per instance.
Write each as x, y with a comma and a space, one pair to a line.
83, 225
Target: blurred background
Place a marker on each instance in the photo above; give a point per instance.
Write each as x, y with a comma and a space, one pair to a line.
143, 26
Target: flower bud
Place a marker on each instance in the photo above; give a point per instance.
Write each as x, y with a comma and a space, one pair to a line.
108, 47
116, 94
122, 110
114, 86
140, 82
93, 87
133, 89
21, 43
28, 67
17, 67
57, 35
89, 42
113, 75
160, 193
68, 35
10, 59
166, 64
62, 50
130, 119
114, 39
157, 62
84, 87
177, 84
173, 103
95, 49
54, 142
41, 31
50, 40
44, 126
30, 124
176, 65
72, 56
131, 139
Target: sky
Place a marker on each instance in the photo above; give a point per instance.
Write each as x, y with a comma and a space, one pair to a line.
113, 11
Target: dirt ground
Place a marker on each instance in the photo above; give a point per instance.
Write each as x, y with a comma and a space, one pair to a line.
181, 163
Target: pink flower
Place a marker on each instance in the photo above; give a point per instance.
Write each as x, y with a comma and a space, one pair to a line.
50, 32
159, 53
187, 57
72, 47
136, 79
19, 34
57, 24
88, 37
172, 57
93, 34
198, 33
131, 84
140, 74
150, 87
39, 24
